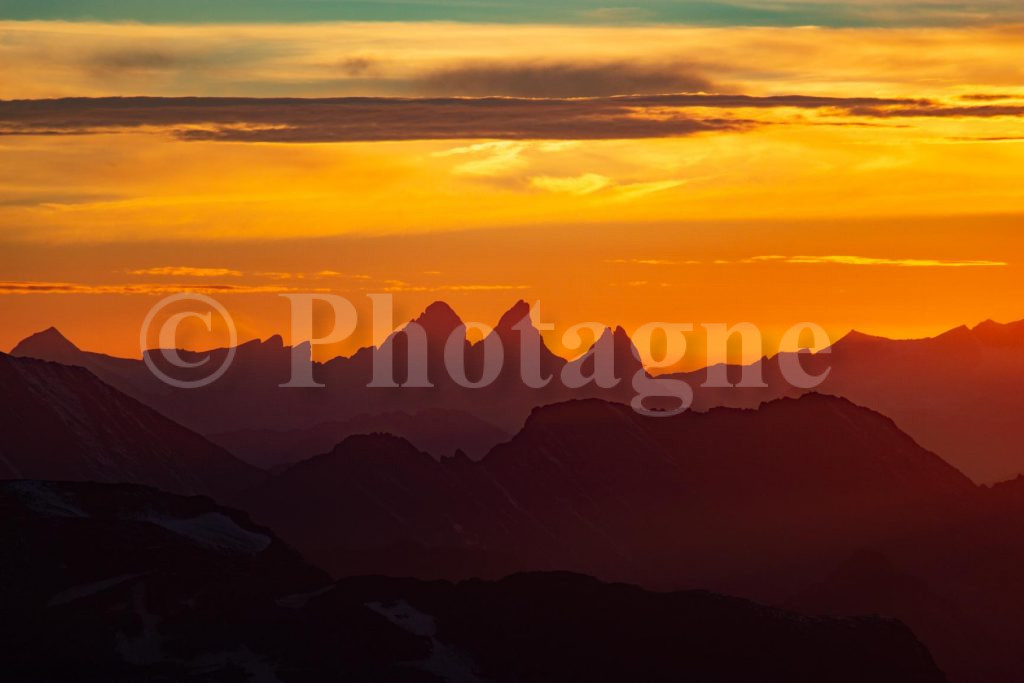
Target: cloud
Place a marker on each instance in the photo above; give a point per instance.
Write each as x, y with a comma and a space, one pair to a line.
384, 118
591, 183
873, 261
493, 158
650, 261
562, 79
635, 190
318, 275
499, 157
402, 286
357, 66
587, 183
137, 59
508, 120
187, 271
990, 97
35, 287
336, 274
931, 110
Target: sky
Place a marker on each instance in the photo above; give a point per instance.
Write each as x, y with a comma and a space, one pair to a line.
853, 164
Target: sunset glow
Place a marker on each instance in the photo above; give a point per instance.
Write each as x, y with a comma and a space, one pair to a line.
749, 201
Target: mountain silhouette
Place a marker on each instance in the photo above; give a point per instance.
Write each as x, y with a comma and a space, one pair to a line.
126, 583
49, 344
969, 647
437, 431
62, 422
957, 394
764, 504
248, 395
799, 483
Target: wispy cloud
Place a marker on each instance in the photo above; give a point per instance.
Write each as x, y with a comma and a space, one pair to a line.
579, 185
337, 274
542, 78
848, 260
591, 183
187, 271
499, 157
36, 287
402, 286
651, 261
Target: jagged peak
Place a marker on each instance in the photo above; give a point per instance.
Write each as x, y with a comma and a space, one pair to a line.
514, 315
438, 316
274, 341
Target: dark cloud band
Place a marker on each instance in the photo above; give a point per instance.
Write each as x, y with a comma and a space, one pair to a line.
378, 118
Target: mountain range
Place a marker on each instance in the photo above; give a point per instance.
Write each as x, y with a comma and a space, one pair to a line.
808, 503
957, 394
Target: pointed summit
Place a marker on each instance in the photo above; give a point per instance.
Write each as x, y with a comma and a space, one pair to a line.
514, 316
438, 320
993, 333
627, 356
49, 344
855, 338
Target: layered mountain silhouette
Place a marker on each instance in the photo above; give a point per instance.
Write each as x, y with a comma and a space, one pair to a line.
436, 431
594, 487
956, 394
246, 403
62, 422
973, 645
775, 504
126, 583
809, 502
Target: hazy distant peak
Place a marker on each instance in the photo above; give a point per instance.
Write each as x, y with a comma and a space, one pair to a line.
49, 344
999, 334
959, 331
858, 337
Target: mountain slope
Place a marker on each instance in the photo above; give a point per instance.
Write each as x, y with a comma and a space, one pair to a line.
61, 422
437, 431
594, 487
187, 590
958, 394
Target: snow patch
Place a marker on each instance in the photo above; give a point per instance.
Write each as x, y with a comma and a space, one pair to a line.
213, 530
444, 662
42, 498
86, 589
299, 600
406, 617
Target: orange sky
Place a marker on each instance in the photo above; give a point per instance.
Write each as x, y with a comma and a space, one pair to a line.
902, 225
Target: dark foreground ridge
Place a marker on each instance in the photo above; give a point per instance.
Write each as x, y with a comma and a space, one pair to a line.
126, 583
